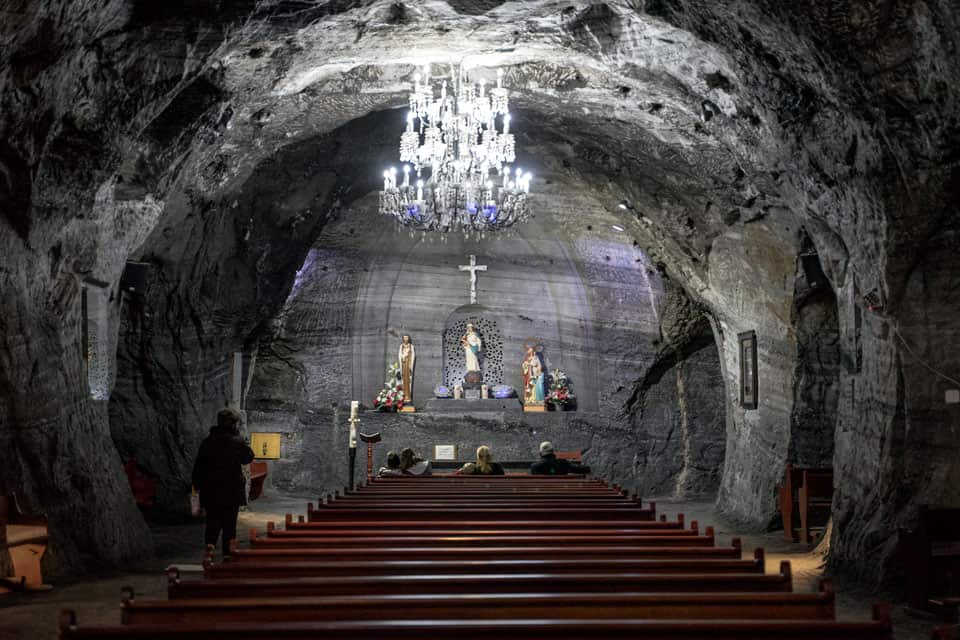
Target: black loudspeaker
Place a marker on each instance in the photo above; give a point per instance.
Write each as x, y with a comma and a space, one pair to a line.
813, 271
134, 278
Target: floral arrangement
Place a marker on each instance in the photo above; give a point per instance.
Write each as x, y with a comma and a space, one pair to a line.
390, 397
559, 394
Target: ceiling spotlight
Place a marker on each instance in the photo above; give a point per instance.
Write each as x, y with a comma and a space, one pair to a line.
616, 227
624, 205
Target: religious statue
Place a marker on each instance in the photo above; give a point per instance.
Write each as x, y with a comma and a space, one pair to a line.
532, 378
472, 345
406, 358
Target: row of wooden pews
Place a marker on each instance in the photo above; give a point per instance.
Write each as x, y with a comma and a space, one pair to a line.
472, 557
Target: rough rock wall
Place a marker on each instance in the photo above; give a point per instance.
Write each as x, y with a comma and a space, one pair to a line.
866, 119
73, 99
218, 270
817, 375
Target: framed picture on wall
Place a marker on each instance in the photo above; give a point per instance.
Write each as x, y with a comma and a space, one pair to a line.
748, 369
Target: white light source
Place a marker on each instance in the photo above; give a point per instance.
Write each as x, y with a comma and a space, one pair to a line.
458, 140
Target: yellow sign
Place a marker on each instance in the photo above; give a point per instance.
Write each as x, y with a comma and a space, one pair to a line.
265, 445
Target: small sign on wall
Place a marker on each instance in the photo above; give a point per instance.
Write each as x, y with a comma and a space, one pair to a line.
265, 445
445, 452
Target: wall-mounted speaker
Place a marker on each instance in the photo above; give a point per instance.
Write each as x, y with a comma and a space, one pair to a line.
134, 278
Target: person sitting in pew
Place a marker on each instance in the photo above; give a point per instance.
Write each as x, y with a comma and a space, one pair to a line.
483, 466
413, 465
550, 465
393, 465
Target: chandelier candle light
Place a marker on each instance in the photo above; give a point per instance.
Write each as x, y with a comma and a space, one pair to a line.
463, 142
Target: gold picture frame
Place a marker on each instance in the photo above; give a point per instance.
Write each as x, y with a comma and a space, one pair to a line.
266, 446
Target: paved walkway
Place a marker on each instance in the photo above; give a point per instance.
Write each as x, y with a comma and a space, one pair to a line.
96, 598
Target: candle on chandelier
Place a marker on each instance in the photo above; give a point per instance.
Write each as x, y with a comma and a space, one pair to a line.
410, 121
406, 175
386, 180
419, 189
506, 124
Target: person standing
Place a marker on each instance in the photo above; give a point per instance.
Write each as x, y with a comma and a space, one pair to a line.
218, 477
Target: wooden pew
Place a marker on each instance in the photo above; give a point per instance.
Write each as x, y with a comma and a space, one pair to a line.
258, 475
528, 629
449, 530
788, 498
479, 583
815, 497
467, 524
253, 569
490, 542
501, 606
929, 553
482, 552
441, 514
24, 536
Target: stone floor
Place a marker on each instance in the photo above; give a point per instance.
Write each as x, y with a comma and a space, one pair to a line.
96, 598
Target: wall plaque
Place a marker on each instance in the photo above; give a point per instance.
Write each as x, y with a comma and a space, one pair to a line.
265, 445
445, 452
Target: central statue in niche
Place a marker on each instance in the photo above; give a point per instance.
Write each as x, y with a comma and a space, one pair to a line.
472, 346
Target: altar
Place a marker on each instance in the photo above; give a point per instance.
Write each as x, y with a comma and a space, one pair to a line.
488, 405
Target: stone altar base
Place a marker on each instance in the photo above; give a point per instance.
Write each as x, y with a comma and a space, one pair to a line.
450, 405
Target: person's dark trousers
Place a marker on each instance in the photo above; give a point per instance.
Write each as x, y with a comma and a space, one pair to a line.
221, 519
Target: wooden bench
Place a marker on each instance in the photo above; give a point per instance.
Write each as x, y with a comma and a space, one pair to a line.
24, 536
490, 542
258, 475
449, 530
441, 514
502, 606
799, 506
528, 629
482, 552
253, 569
302, 524
929, 553
478, 583
143, 486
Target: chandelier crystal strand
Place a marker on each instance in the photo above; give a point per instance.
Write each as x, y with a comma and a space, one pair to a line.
461, 139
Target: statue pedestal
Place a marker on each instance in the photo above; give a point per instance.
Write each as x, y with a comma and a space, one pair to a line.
534, 408
408, 408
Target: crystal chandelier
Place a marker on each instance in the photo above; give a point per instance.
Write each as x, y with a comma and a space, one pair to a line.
463, 143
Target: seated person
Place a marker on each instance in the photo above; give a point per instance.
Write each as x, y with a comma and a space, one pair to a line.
413, 465
393, 465
483, 466
550, 465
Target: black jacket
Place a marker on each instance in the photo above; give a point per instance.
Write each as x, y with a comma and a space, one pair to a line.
217, 474
550, 465
496, 469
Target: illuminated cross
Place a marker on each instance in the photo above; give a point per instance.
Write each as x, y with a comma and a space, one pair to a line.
473, 267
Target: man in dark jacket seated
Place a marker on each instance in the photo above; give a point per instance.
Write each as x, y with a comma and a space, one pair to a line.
550, 465
218, 477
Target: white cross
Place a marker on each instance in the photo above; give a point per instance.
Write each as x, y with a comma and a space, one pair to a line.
473, 267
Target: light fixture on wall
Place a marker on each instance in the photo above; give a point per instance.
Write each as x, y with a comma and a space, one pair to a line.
457, 149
